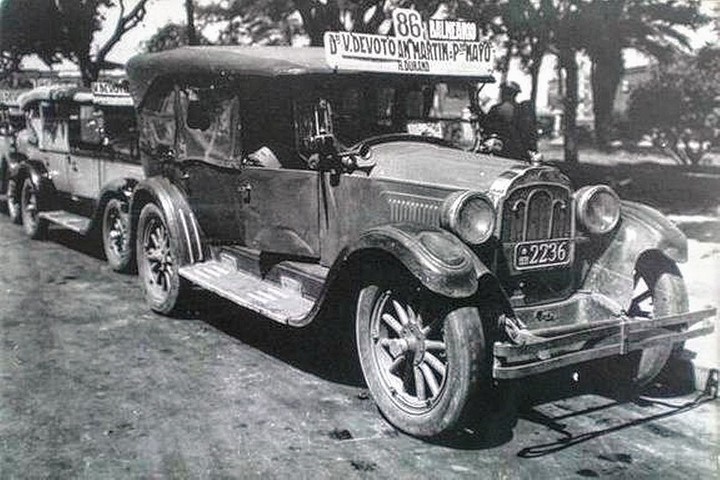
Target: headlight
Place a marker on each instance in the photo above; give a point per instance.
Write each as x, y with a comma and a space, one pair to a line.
470, 216
598, 208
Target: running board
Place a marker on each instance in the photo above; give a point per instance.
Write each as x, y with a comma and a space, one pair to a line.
71, 221
282, 303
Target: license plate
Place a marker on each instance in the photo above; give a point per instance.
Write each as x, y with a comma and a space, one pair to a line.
540, 254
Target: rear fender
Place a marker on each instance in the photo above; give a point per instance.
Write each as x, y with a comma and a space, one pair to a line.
643, 230
438, 259
179, 216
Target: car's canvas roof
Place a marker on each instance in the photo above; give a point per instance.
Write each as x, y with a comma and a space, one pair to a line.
144, 70
56, 93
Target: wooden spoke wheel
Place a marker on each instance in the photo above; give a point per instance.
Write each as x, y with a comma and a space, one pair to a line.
34, 226
116, 239
423, 365
157, 261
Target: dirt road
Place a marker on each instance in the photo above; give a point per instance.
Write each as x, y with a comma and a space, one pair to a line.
93, 385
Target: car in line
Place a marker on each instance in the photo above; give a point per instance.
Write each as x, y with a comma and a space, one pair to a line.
278, 181
78, 164
12, 121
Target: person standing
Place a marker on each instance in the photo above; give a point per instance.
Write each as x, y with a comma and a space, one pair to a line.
512, 123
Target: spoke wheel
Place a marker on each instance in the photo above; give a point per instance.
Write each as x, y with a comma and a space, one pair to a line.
34, 226
659, 291
13, 202
422, 364
157, 261
116, 239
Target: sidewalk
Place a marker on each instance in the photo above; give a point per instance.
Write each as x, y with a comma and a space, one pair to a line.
702, 276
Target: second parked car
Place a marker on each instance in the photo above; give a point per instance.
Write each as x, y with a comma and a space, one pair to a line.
79, 164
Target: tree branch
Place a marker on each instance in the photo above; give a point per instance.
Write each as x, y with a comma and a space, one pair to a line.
124, 23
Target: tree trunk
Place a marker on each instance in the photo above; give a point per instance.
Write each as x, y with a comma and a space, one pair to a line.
89, 71
607, 69
534, 74
570, 103
190, 16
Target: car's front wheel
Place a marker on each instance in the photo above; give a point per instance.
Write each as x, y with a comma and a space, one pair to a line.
115, 234
424, 364
659, 291
34, 226
157, 260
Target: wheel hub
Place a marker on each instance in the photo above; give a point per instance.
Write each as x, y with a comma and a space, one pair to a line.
415, 341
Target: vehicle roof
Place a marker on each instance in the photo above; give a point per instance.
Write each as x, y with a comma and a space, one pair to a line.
144, 70
55, 93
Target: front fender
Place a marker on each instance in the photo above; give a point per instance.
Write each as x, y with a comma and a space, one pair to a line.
642, 229
438, 259
179, 216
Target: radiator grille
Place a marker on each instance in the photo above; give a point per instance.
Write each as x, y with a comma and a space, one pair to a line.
537, 213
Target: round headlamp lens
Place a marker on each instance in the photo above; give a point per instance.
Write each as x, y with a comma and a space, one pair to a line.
476, 220
470, 216
598, 208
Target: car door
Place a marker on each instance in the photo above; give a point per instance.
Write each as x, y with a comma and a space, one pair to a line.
87, 151
52, 128
280, 210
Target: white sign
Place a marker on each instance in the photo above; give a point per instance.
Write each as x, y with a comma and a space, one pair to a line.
444, 48
111, 94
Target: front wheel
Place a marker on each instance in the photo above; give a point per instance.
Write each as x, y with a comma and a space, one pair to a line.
157, 261
115, 234
34, 226
424, 364
659, 291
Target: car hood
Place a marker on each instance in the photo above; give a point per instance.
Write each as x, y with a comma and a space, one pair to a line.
423, 162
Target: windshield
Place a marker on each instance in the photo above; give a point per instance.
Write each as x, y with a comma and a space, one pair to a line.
370, 107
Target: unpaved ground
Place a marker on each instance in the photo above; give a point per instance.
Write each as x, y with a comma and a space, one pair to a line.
93, 385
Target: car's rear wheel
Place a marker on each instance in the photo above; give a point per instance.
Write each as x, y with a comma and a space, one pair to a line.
157, 261
115, 233
13, 202
424, 364
659, 291
34, 226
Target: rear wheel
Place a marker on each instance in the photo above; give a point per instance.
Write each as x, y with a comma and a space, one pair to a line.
13, 202
34, 226
157, 261
424, 365
116, 241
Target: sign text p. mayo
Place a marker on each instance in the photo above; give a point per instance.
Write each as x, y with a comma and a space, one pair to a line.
442, 47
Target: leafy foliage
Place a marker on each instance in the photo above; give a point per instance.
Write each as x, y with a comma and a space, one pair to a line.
63, 29
680, 106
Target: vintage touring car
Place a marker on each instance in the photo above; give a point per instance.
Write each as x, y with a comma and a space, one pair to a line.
78, 164
278, 181
12, 120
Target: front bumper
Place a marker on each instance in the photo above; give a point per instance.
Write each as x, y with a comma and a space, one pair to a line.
576, 343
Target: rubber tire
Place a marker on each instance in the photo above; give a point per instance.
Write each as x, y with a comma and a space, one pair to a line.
468, 370
13, 208
168, 303
627, 375
36, 229
123, 261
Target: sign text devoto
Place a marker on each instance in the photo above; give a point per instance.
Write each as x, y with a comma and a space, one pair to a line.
413, 50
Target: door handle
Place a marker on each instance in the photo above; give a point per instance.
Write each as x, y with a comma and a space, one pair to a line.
244, 190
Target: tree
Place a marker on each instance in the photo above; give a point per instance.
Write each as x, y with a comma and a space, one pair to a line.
680, 106
606, 27
64, 29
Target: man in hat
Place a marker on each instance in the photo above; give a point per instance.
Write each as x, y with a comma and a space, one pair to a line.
511, 123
